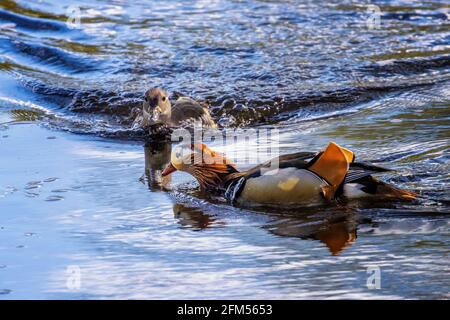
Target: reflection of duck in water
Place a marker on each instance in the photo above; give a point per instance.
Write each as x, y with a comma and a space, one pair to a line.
337, 232
156, 158
336, 237
299, 178
192, 217
157, 109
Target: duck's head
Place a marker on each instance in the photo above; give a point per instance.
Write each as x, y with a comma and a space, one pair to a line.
156, 106
209, 167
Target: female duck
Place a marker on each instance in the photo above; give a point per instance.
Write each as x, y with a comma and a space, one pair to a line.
298, 178
157, 108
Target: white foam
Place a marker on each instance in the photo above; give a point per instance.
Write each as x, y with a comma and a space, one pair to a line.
27, 104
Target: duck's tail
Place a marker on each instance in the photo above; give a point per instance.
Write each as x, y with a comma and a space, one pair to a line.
388, 191
373, 186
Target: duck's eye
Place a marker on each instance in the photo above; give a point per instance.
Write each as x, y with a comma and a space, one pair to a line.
163, 98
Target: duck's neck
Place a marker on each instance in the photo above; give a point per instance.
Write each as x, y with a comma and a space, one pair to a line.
215, 177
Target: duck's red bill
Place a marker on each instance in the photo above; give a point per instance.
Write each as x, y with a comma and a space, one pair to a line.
168, 170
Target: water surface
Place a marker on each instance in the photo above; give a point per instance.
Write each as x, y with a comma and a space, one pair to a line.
78, 187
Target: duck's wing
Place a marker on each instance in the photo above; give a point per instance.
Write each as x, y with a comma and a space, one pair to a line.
303, 160
299, 160
359, 170
186, 110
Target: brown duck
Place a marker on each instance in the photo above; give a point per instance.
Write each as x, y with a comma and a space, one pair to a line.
299, 178
157, 109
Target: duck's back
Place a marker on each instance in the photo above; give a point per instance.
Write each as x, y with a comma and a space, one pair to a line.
186, 111
307, 178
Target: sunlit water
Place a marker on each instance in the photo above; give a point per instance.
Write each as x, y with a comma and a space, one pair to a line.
79, 190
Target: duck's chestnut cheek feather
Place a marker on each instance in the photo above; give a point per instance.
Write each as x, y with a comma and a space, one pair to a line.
168, 170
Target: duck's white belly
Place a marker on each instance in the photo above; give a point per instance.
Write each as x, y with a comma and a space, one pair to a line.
284, 187
354, 191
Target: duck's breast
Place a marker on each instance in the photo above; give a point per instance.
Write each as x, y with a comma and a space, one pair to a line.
283, 186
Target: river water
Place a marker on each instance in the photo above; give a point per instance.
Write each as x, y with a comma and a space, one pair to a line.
82, 210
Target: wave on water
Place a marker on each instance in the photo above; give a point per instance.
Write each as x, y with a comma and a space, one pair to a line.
288, 70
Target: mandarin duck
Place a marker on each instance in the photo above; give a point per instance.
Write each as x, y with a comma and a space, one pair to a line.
297, 178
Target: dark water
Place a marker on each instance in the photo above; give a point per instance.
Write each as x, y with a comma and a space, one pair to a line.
314, 70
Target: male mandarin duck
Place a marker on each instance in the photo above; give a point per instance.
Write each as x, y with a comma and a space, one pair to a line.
299, 178
157, 109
